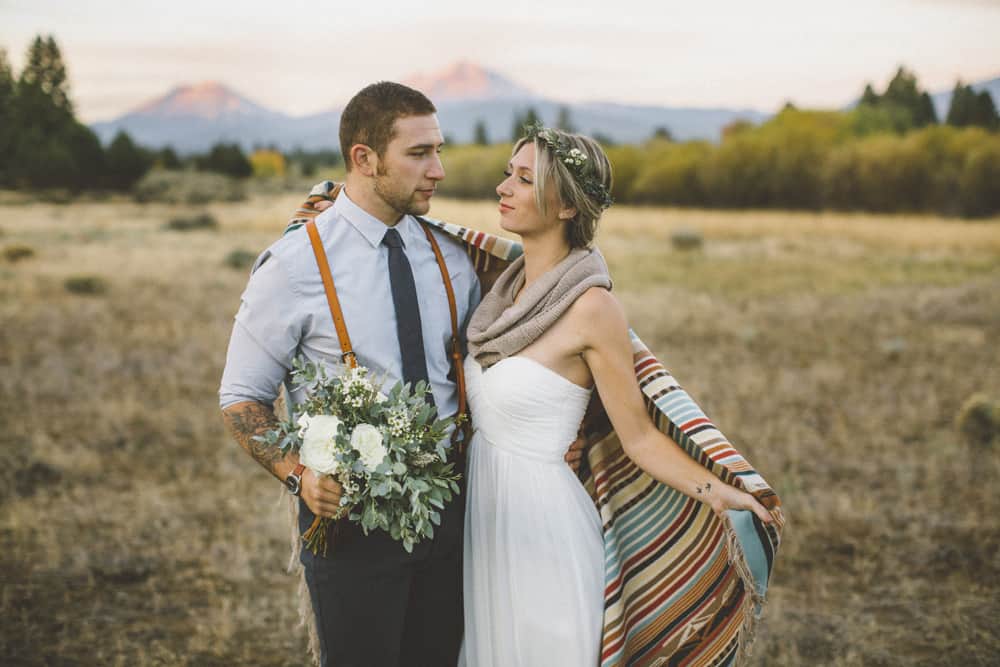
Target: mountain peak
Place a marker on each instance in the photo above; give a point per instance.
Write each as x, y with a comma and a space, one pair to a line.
464, 80
207, 99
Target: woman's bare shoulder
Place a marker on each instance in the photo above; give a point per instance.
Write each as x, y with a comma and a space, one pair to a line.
599, 314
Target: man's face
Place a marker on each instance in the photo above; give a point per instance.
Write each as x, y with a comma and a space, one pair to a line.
410, 169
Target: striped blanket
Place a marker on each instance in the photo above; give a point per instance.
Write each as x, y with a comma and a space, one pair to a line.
682, 586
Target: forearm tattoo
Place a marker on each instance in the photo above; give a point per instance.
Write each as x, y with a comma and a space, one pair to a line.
707, 488
248, 420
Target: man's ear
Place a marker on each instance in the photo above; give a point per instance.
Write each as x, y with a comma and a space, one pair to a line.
364, 159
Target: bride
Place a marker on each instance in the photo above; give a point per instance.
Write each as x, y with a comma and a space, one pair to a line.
547, 334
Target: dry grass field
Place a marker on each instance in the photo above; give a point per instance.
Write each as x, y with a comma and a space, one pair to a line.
834, 350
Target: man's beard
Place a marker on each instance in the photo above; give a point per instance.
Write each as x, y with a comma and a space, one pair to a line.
404, 203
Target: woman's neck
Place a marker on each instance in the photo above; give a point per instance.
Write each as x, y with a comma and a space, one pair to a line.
541, 254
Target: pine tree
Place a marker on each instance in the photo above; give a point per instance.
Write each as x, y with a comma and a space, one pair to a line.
563, 120
869, 97
986, 111
529, 117
960, 109
125, 163
480, 136
8, 121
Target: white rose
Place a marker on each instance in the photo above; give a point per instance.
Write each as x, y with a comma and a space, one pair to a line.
319, 443
367, 441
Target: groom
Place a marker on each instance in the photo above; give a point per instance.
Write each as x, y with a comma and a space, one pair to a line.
374, 603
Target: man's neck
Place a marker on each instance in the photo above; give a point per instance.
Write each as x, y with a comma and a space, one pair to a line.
365, 197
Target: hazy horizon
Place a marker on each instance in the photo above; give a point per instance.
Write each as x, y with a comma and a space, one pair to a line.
757, 57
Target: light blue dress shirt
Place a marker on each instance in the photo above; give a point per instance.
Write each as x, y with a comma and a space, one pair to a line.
284, 311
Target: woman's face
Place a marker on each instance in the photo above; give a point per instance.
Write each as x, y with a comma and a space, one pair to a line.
518, 211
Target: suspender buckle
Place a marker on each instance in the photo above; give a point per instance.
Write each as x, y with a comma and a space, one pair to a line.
349, 353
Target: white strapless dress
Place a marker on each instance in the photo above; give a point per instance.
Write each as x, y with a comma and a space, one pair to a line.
533, 552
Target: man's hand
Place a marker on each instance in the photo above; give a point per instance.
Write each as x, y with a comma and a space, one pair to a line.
575, 453
321, 494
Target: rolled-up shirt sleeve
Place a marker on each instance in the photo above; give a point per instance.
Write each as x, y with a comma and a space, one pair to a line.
265, 337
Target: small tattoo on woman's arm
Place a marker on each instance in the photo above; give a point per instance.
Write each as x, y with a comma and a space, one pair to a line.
707, 488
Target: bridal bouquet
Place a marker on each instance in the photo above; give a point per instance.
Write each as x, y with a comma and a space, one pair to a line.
388, 452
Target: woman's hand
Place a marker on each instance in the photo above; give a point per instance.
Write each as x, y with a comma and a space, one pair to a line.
721, 497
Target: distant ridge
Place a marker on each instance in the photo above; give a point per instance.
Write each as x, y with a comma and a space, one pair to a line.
209, 99
193, 117
464, 82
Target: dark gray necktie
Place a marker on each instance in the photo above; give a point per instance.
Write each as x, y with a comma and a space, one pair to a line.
404, 299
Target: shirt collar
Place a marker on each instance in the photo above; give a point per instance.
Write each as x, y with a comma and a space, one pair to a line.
368, 225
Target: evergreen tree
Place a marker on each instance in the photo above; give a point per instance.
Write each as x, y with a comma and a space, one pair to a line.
125, 163
226, 159
986, 111
167, 158
869, 97
563, 120
904, 94
480, 137
960, 110
8, 121
663, 133
529, 117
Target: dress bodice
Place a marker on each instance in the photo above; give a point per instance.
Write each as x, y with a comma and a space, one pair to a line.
521, 406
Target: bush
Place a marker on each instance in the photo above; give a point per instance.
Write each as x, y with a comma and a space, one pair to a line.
15, 253
240, 259
672, 174
87, 285
686, 238
978, 420
473, 172
194, 223
187, 187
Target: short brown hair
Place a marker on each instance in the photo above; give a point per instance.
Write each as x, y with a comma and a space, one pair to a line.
370, 116
551, 172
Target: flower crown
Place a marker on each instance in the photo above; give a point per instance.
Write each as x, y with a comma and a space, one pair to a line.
574, 159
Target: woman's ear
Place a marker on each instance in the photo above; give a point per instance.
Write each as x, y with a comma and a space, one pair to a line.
567, 213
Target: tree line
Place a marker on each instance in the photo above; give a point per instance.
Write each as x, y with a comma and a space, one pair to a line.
43, 145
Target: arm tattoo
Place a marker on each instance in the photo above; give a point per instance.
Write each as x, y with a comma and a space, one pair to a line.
707, 488
250, 419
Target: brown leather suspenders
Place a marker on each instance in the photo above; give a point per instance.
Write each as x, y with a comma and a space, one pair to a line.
347, 351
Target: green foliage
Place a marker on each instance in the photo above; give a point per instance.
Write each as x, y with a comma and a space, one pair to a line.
670, 174
480, 136
903, 106
15, 253
528, 117
473, 172
166, 158
187, 187
126, 163
227, 159
86, 285
978, 420
686, 238
240, 259
193, 223
969, 108
564, 121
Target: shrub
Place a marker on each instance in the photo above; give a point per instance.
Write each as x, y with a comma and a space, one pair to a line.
240, 259
187, 187
686, 238
978, 420
15, 253
87, 285
200, 221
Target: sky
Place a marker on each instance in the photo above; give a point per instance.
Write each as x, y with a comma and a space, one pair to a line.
302, 57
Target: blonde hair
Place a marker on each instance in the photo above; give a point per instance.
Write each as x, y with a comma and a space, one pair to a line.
550, 170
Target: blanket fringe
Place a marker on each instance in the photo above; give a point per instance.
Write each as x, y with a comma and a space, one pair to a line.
307, 618
752, 606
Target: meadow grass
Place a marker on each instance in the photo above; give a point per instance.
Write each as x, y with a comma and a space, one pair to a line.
834, 350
